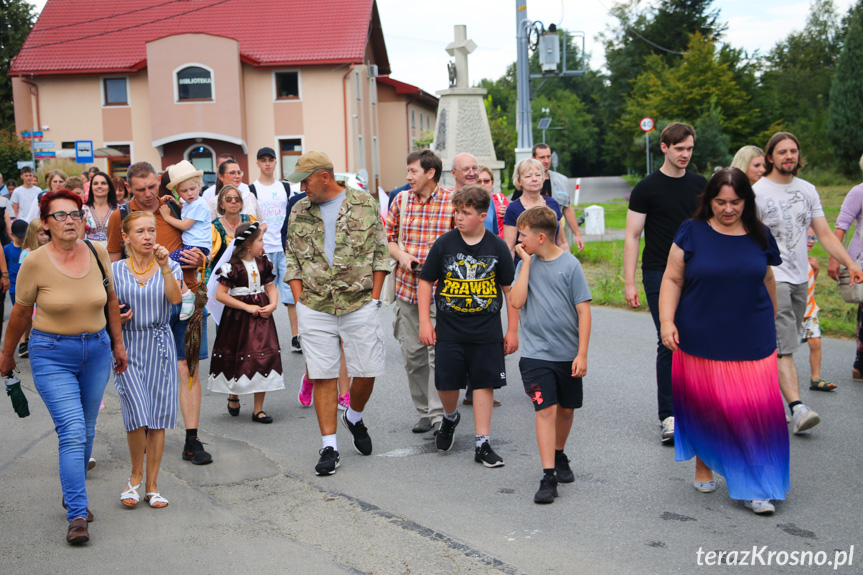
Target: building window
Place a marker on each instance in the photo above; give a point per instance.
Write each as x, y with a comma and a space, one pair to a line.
427, 122
115, 91
118, 165
290, 151
287, 85
413, 119
194, 84
202, 157
359, 87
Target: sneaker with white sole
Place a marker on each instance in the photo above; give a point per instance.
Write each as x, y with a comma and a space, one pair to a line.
295, 345
445, 437
803, 419
359, 435
760, 506
305, 394
187, 307
344, 402
328, 463
486, 455
667, 433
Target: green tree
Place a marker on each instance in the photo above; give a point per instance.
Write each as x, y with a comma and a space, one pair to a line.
12, 150
16, 20
846, 99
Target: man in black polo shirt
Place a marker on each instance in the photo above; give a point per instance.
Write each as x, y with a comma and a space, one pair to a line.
658, 205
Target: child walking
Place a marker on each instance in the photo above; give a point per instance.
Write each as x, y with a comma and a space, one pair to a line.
473, 269
246, 357
811, 327
551, 290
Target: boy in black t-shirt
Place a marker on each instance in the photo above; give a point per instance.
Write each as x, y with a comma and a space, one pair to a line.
473, 270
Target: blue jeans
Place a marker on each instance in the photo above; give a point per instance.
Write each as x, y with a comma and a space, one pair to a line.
652, 279
70, 373
178, 328
280, 268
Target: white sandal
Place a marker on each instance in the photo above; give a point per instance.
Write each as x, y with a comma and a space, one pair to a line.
154, 497
131, 493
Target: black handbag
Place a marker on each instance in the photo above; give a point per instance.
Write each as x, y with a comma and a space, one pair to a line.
105, 285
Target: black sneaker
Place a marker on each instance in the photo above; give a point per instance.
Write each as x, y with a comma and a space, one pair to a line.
328, 463
445, 437
359, 435
562, 469
194, 451
547, 490
487, 456
22, 349
295, 345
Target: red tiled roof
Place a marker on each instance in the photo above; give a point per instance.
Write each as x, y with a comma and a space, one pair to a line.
405, 88
99, 36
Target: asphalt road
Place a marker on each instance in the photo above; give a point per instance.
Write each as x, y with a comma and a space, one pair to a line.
408, 509
601, 189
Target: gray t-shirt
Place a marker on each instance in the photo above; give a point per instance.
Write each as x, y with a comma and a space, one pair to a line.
330, 213
548, 320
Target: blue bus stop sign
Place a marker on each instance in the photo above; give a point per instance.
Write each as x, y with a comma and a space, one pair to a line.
84, 151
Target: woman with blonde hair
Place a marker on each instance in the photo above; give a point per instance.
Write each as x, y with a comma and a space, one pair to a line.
528, 177
750, 161
147, 285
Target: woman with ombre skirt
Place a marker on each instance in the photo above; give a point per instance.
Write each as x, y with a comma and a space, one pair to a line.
717, 307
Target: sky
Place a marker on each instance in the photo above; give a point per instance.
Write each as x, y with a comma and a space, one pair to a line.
417, 34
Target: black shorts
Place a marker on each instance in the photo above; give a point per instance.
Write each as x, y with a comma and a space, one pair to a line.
549, 383
482, 362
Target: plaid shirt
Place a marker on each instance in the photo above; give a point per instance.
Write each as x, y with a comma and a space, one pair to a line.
425, 223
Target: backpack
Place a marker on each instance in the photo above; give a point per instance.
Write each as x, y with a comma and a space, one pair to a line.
285, 185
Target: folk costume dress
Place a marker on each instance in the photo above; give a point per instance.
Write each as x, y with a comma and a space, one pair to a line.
727, 405
148, 388
246, 356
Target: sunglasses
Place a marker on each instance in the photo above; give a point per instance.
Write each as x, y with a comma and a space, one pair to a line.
487, 181
233, 199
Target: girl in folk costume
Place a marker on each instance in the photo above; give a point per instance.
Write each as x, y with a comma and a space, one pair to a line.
246, 356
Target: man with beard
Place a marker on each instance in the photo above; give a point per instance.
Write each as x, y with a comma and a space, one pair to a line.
789, 205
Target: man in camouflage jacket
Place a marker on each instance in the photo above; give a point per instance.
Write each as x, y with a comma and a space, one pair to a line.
337, 260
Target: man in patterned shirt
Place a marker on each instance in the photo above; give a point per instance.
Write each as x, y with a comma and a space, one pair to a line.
336, 264
427, 216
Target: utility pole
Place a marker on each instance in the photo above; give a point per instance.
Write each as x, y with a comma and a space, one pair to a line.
523, 122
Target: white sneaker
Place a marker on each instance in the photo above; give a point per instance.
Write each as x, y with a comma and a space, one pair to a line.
667, 429
188, 305
760, 506
804, 418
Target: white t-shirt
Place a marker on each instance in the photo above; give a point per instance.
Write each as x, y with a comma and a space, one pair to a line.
210, 192
788, 210
273, 207
25, 198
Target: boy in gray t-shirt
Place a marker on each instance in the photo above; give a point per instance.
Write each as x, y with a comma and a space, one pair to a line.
552, 293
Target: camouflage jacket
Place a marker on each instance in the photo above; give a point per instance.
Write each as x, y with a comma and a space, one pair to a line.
361, 249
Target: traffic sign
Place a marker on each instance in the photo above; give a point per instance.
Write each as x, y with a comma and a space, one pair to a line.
43, 145
646, 124
31, 134
84, 151
42, 154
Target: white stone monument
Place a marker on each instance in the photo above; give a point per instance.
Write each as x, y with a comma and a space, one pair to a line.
462, 123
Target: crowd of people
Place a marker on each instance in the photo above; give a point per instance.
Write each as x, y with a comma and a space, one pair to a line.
452, 261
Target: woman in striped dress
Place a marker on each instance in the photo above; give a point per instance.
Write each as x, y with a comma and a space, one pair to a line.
149, 283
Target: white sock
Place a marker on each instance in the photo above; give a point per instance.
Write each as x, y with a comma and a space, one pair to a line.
480, 439
353, 416
330, 441
451, 416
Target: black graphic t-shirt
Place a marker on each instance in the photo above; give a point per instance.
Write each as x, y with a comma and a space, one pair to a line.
469, 279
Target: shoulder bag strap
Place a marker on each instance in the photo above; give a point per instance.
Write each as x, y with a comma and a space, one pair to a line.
402, 207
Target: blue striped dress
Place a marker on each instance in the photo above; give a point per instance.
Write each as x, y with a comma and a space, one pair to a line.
148, 388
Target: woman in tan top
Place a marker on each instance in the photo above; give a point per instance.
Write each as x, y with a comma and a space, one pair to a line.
70, 350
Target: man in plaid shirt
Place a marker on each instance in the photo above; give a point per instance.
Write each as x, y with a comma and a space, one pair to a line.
427, 216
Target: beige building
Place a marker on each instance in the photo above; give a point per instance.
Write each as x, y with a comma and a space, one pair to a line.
177, 81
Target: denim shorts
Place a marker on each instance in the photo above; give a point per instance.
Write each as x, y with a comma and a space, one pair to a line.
179, 330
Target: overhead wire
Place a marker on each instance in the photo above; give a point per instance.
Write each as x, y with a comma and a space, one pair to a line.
638, 35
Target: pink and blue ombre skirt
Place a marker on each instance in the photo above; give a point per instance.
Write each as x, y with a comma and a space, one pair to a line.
731, 415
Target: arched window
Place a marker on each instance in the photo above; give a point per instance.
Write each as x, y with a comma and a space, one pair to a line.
194, 83
202, 157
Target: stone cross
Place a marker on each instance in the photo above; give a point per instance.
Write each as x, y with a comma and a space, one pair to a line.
460, 49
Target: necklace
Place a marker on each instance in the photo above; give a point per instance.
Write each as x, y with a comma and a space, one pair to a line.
140, 273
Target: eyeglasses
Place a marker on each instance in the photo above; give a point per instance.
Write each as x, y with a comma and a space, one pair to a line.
486, 181
812, 238
468, 170
234, 199
235, 173
61, 216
